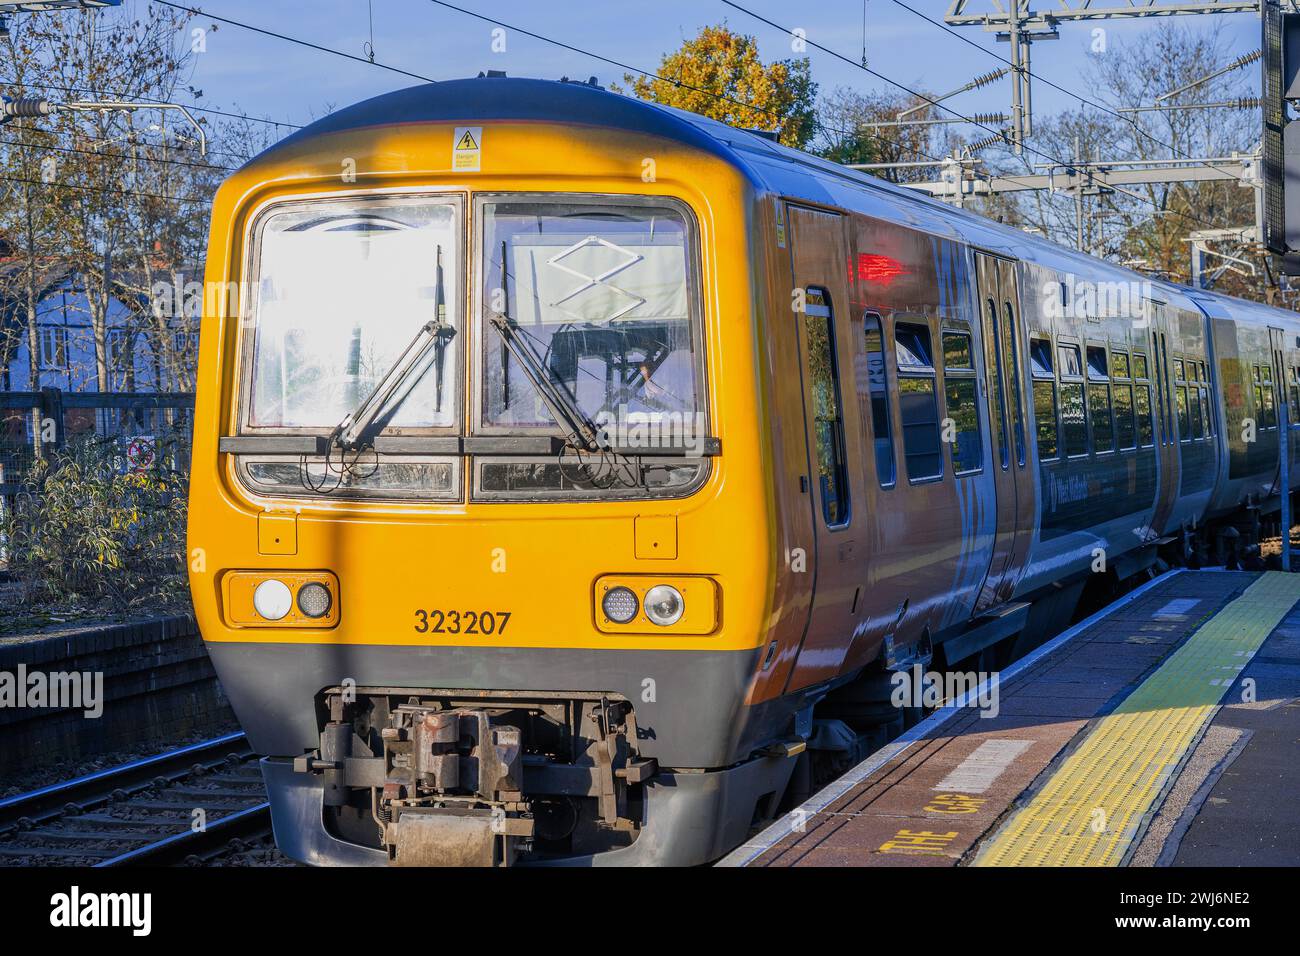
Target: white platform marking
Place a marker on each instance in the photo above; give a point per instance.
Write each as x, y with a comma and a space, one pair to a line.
1176, 610
977, 772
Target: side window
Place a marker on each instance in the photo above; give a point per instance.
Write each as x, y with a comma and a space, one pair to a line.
1040, 368
1206, 408
917, 404
993, 377
962, 407
1142, 401
1161, 384
1140, 366
1125, 427
1103, 430
1185, 430
1074, 423
1011, 356
881, 428
1295, 396
1264, 408
828, 410
1194, 399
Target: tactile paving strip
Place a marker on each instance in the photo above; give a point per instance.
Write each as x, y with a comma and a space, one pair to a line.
1090, 810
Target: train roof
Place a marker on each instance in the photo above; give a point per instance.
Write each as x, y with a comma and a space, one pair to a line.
769, 165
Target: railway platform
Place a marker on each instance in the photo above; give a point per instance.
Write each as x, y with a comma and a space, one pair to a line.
1161, 731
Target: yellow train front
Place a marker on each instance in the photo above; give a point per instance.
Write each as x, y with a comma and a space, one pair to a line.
481, 540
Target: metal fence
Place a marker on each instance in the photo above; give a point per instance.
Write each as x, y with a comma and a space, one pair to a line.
152, 427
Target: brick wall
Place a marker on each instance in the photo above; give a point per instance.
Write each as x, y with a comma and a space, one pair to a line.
158, 686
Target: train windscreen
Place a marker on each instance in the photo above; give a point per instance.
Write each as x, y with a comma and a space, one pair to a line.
341, 288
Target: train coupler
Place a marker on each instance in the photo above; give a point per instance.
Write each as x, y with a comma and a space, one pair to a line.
452, 796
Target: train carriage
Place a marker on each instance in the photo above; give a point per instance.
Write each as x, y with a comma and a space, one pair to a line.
570, 473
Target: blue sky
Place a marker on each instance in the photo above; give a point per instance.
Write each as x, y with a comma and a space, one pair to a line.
270, 77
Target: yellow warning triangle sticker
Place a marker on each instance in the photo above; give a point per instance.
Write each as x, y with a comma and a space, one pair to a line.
466, 142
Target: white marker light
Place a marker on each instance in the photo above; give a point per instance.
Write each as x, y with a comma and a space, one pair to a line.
272, 599
664, 605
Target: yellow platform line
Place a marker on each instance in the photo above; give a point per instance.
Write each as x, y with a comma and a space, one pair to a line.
1089, 811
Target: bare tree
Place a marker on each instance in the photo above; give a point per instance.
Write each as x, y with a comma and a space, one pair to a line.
1144, 225
847, 133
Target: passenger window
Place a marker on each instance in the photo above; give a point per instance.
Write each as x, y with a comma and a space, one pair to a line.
1186, 431
1264, 408
962, 407
1074, 422
1139, 365
917, 404
1142, 410
1142, 402
1295, 397
956, 351
882, 429
1125, 427
1103, 430
1070, 360
1040, 367
828, 409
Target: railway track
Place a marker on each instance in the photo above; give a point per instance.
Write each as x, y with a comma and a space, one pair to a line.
143, 812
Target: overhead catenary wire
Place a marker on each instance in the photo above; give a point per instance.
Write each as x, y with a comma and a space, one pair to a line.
1061, 89
123, 156
199, 12
46, 85
52, 184
656, 76
880, 76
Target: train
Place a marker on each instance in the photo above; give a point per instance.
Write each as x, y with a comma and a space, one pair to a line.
570, 473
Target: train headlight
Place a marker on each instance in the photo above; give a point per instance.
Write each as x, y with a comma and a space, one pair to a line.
620, 604
660, 605
272, 599
314, 599
664, 605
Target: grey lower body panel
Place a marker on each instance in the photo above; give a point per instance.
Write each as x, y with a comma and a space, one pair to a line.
690, 818
690, 705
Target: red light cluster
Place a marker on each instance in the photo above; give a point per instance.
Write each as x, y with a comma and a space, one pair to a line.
880, 269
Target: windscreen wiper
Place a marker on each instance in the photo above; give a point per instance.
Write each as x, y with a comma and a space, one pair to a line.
429, 345
558, 401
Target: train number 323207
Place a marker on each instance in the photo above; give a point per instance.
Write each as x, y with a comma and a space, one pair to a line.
461, 622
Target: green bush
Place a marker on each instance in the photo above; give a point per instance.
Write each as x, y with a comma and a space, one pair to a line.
84, 529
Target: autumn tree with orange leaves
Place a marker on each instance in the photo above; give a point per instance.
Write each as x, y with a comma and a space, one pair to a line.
719, 74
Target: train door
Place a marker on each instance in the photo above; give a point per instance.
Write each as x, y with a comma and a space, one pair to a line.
824, 343
1013, 475
1168, 451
